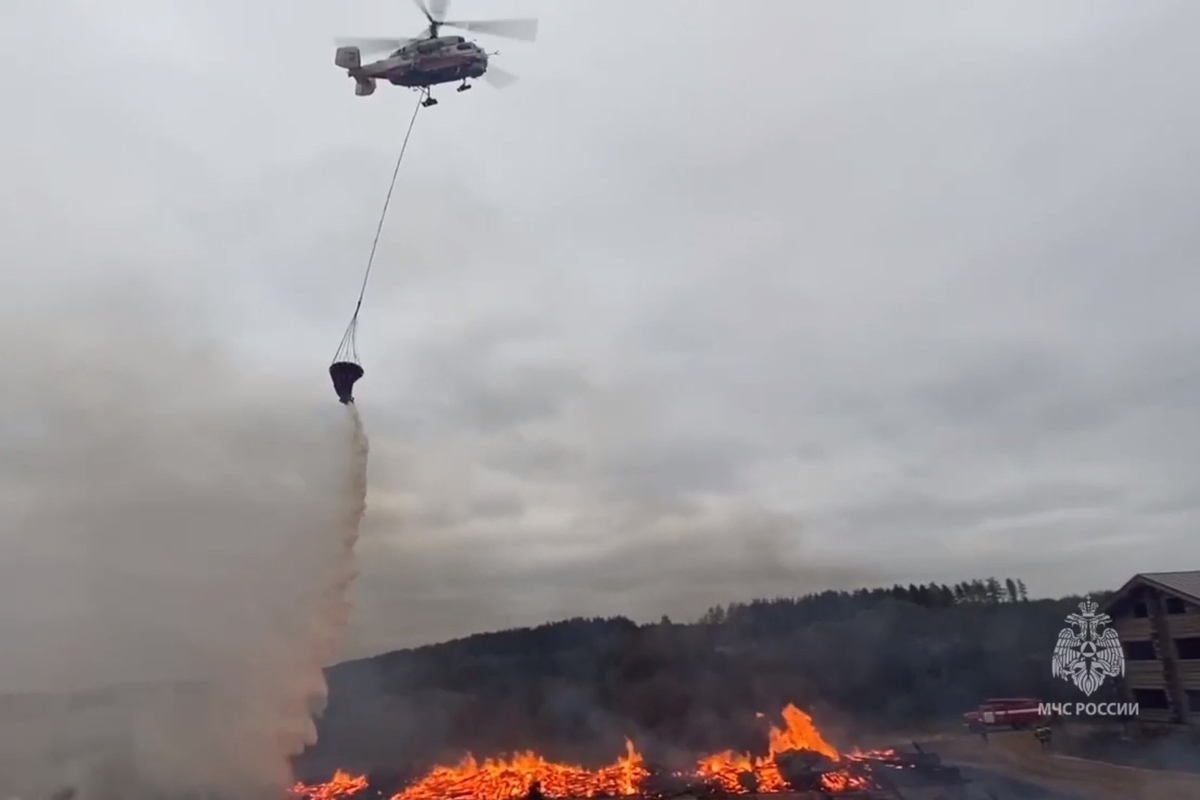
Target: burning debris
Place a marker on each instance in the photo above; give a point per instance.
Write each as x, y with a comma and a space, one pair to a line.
798, 760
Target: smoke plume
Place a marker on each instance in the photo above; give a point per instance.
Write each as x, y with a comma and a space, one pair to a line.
177, 523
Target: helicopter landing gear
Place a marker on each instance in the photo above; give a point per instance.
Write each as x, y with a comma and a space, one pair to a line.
429, 100
464, 86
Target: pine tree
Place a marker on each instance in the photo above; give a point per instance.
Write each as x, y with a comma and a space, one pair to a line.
993, 590
1010, 590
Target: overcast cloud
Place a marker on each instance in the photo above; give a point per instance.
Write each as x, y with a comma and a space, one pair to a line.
721, 300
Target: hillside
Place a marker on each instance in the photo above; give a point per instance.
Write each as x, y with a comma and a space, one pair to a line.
862, 662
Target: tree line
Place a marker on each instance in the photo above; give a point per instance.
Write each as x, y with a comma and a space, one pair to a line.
932, 595
870, 659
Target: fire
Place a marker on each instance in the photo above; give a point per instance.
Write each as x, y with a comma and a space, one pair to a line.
800, 734
518, 776
501, 779
340, 785
732, 771
725, 770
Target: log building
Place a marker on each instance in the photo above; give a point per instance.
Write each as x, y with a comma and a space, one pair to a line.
1157, 616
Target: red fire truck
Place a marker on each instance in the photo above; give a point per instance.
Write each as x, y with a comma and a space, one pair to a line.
1004, 712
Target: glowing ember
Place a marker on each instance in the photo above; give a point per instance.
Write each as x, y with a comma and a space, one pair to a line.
509, 779
725, 770
340, 785
500, 779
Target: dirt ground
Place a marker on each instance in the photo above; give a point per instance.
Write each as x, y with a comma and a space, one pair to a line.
1019, 755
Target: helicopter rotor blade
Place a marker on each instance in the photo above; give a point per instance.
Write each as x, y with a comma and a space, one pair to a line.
499, 78
372, 45
438, 9
524, 30
425, 10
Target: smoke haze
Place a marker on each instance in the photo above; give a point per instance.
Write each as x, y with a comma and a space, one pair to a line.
170, 520
690, 352
582, 406
178, 521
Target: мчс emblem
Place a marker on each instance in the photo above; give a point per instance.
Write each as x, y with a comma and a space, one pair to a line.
1088, 651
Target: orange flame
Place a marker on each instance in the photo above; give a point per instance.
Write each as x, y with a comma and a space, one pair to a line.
513, 778
501, 779
798, 734
340, 785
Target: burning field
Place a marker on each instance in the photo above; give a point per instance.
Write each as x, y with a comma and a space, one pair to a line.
798, 760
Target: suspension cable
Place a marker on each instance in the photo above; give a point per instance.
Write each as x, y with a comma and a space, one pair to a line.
349, 344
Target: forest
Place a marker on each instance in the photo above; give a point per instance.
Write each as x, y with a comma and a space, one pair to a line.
871, 660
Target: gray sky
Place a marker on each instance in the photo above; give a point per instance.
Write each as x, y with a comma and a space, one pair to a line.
721, 300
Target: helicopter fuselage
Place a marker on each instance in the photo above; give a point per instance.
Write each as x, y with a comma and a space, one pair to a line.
428, 62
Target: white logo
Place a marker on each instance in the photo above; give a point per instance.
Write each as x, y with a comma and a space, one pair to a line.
1088, 655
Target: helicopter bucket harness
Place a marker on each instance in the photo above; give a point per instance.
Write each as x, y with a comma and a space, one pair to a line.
346, 369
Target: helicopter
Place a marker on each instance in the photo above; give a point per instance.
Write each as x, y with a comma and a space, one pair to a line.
431, 59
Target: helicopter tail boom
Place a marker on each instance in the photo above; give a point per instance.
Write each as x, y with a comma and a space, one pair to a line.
349, 58
364, 85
